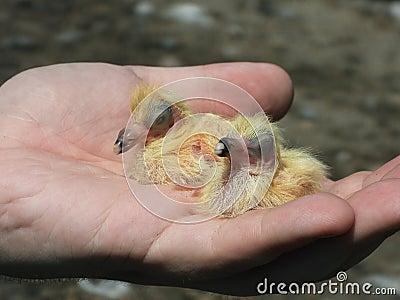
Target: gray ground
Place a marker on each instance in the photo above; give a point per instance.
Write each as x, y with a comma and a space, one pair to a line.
343, 57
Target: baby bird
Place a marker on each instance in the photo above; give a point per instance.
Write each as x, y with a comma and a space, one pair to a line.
185, 157
150, 121
272, 176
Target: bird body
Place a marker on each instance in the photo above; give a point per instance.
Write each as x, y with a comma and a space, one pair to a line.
176, 158
232, 169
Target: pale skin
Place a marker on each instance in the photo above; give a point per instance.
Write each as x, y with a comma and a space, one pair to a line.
66, 209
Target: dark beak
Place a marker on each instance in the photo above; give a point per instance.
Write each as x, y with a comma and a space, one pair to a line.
128, 138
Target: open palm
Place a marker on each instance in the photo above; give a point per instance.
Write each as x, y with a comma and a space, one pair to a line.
67, 211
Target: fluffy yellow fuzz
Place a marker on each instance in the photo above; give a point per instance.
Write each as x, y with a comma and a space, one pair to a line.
177, 160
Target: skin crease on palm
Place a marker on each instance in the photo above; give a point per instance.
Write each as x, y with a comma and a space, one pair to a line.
66, 209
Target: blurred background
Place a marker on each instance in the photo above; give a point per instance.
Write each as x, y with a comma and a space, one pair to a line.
343, 57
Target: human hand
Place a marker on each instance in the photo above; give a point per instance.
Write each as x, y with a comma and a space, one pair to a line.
66, 210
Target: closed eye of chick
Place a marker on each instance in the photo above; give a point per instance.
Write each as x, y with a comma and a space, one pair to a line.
159, 108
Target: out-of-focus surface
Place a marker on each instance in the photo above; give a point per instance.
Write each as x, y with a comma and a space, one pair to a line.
343, 57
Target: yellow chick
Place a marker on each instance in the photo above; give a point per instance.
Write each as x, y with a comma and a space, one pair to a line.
150, 121
291, 173
184, 158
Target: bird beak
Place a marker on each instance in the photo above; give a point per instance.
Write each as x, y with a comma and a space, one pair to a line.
234, 149
129, 137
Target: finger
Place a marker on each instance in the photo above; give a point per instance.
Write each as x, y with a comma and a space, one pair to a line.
252, 239
393, 173
345, 187
268, 84
377, 211
382, 171
282, 229
376, 208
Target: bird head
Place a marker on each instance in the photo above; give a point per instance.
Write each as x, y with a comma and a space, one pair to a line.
251, 146
250, 156
152, 120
